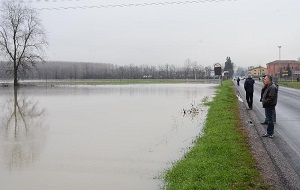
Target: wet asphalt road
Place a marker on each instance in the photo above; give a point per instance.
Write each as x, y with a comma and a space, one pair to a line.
284, 148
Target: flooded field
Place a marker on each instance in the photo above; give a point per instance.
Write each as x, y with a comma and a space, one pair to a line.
96, 137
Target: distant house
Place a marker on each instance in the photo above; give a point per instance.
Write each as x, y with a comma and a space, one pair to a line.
281, 67
257, 71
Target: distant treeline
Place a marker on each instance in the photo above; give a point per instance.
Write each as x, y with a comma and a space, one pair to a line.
81, 70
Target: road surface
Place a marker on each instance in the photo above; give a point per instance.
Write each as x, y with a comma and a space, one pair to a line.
284, 148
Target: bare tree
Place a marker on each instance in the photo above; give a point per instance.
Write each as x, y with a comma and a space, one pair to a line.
195, 68
187, 66
22, 37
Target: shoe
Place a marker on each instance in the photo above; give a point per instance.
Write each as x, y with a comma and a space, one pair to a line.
264, 123
266, 135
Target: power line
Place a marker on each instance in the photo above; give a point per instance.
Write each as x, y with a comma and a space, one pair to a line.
133, 5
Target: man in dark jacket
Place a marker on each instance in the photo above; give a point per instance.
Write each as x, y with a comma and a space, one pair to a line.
269, 101
249, 88
238, 81
264, 87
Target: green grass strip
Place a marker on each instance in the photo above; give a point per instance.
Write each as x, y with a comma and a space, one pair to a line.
221, 158
289, 84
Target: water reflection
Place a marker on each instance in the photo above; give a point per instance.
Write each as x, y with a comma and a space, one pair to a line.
21, 130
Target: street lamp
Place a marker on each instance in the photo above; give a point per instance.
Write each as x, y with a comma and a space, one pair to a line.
279, 59
279, 51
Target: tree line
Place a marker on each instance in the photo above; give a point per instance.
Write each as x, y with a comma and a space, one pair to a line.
85, 70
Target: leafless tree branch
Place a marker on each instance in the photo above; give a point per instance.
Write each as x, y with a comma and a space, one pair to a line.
22, 36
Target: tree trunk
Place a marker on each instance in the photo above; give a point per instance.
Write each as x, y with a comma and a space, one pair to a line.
15, 75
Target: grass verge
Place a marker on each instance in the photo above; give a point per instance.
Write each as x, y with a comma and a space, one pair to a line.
289, 84
221, 158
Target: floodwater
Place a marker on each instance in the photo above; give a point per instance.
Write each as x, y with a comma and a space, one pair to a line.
96, 137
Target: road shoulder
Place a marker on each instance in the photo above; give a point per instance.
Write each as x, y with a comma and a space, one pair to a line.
263, 160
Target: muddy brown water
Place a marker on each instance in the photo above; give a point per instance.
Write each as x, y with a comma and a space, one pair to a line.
96, 137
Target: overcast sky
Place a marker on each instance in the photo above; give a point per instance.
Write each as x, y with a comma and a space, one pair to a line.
249, 31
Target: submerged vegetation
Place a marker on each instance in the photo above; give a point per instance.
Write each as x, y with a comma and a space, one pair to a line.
221, 158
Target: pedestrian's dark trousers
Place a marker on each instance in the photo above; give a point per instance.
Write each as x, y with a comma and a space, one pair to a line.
269, 116
249, 98
273, 115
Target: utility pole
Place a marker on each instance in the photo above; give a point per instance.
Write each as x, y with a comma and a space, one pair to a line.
279, 51
279, 58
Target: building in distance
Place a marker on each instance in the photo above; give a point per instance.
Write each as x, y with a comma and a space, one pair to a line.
282, 68
257, 71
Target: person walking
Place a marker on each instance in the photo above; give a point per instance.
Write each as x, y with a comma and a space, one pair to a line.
249, 88
238, 81
269, 101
